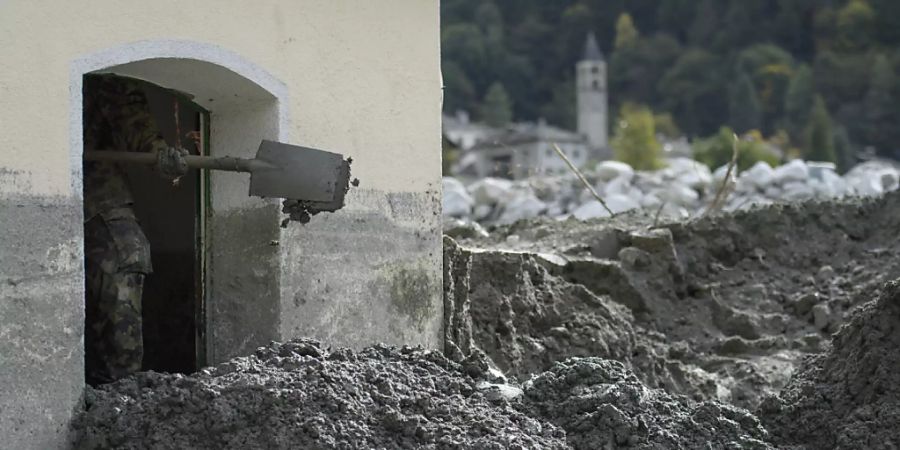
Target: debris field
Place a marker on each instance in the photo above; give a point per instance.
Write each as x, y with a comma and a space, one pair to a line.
776, 327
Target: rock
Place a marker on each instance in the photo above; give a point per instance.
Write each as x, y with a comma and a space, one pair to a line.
491, 191
686, 171
610, 170
590, 210
719, 174
678, 194
482, 212
456, 200
872, 178
773, 192
825, 274
796, 170
821, 315
463, 228
797, 191
621, 203
835, 183
804, 303
650, 201
760, 175
523, 206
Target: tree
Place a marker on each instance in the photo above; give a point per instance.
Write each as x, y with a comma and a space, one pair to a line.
855, 24
798, 101
820, 135
458, 90
717, 150
635, 70
770, 69
497, 107
743, 105
694, 92
626, 33
634, 139
843, 149
880, 107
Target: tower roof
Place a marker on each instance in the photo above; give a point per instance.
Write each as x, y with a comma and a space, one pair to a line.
592, 49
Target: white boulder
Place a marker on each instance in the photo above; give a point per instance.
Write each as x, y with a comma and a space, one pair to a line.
523, 206
796, 170
617, 203
491, 191
456, 200
693, 174
760, 175
609, 170
678, 194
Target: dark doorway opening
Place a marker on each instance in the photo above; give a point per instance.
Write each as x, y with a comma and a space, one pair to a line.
172, 216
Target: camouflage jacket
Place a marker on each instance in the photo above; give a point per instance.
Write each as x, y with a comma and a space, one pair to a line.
116, 118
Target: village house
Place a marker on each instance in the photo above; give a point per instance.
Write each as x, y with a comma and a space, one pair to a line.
525, 149
336, 76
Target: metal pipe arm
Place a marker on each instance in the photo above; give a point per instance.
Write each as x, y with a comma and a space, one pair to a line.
226, 163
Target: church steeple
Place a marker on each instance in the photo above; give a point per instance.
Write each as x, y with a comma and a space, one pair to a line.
591, 98
592, 49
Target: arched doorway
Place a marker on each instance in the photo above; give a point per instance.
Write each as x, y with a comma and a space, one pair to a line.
237, 274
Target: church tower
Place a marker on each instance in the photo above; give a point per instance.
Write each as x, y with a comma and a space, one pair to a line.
590, 81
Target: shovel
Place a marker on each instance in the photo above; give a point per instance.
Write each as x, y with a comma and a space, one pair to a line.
310, 180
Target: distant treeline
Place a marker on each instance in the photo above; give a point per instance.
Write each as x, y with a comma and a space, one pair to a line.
767, 65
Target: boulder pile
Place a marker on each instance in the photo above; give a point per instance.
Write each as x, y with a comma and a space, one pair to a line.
682, 189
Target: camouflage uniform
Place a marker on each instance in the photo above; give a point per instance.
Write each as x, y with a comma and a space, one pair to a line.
117, 253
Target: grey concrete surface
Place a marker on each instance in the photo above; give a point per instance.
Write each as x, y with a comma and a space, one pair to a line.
368, 273
41, 320
243, 281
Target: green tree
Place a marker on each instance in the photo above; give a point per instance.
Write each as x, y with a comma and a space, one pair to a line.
855, 24
743, 105
635, 70
716, 150
843, 149
497, 106
665, 125
820, 134
693, 91
634, 138
626, 33
770, 68
881, 125
798, 101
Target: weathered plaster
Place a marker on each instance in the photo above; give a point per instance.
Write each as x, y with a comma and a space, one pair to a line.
368, 273
41, 319
334, 66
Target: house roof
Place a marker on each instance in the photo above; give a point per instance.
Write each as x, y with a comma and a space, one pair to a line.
527, 132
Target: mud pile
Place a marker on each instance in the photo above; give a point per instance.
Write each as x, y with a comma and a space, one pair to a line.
299, 395
849, 396
721, 308
602, 405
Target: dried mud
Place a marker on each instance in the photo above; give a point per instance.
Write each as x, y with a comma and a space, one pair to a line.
616, 333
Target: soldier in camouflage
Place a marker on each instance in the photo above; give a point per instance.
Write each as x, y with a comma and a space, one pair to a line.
117, 253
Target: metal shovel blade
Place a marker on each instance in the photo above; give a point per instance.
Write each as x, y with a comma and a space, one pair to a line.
301, 173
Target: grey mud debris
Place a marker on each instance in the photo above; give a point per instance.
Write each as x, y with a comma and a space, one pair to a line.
770, 328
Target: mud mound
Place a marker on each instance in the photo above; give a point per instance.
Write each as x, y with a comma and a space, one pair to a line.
720, 308
849, 396
524, 318
298, 395
602, 405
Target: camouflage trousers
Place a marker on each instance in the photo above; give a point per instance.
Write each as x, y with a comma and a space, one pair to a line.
117, 259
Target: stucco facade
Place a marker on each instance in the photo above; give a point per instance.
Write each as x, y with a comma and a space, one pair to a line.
361, 78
